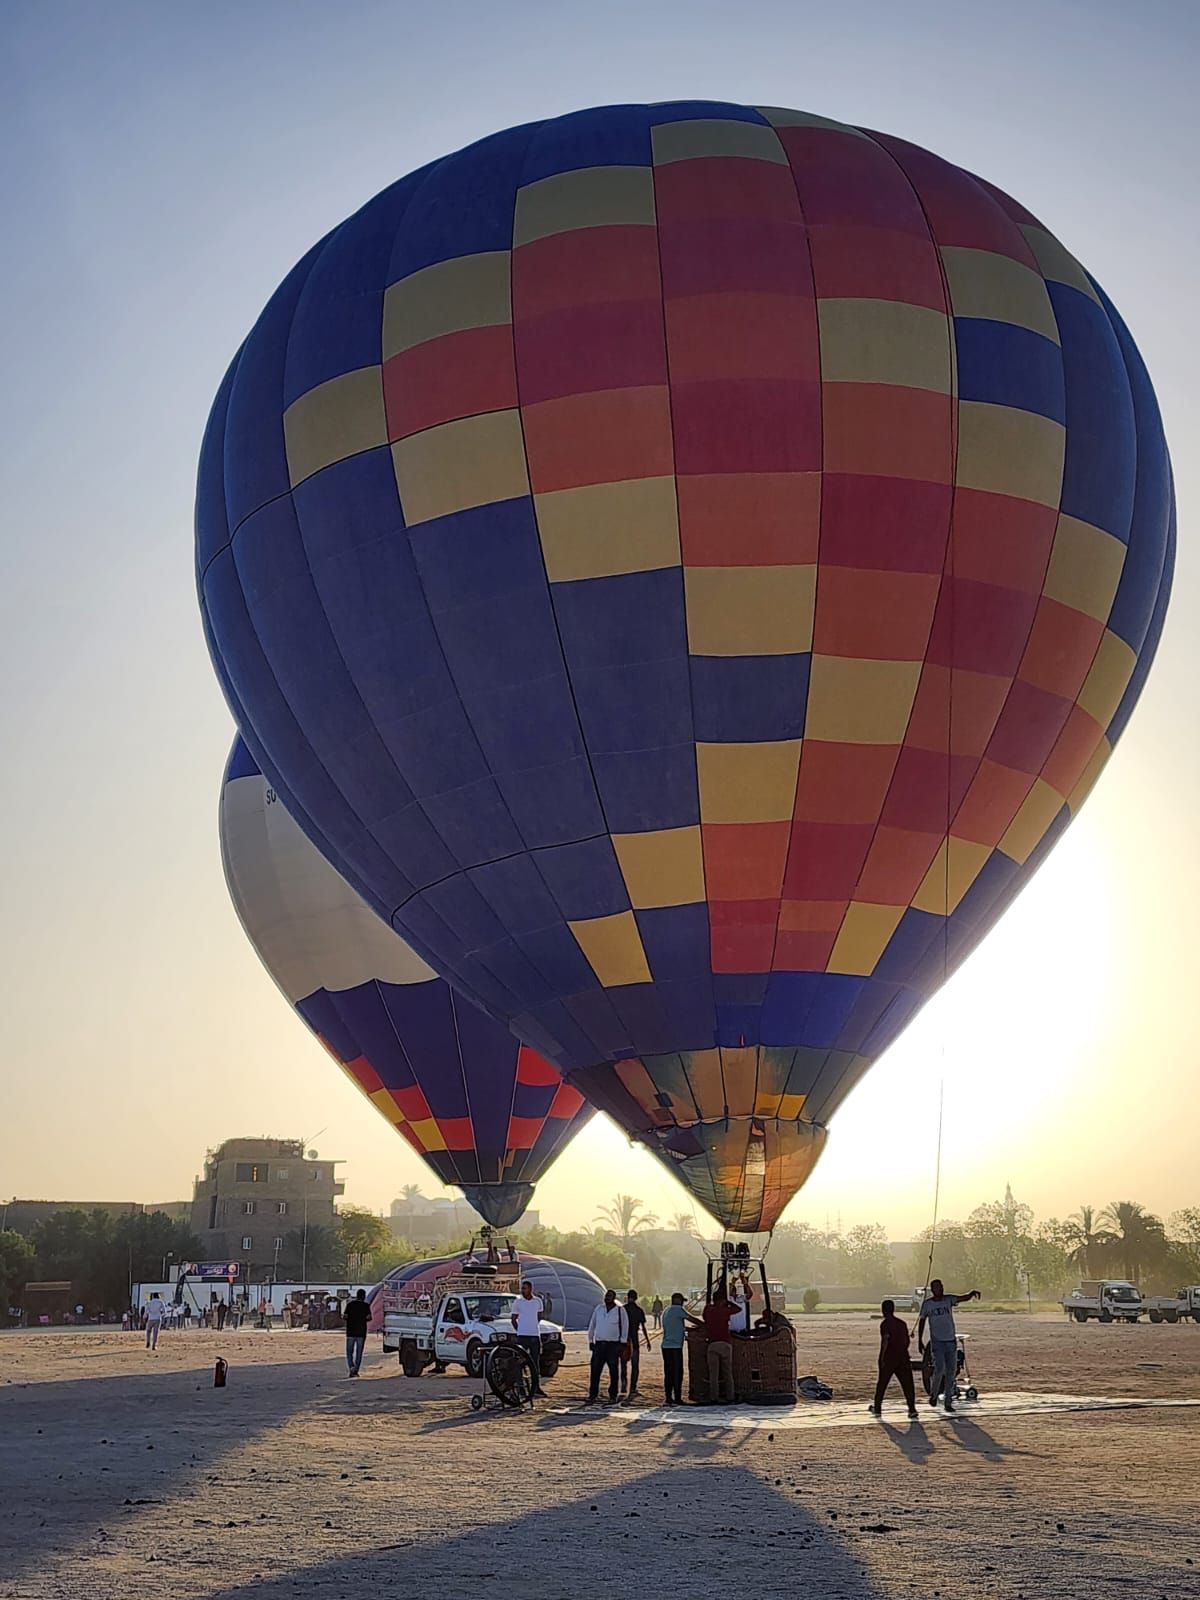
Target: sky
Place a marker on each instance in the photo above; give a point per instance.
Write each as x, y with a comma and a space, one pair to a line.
161, 168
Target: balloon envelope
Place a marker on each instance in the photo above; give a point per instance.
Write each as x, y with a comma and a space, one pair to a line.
484, 1111
686, 564
574, 1292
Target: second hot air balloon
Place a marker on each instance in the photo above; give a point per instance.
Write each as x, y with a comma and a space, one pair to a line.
485, 1112
686, 564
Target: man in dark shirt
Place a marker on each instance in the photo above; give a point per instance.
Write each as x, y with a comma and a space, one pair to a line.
357, 1316
894, 1359
631, 1365
718, 1314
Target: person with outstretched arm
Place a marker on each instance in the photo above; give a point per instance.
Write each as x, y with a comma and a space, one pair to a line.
938, 1312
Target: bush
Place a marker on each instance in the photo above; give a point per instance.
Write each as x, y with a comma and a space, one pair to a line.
811, 1299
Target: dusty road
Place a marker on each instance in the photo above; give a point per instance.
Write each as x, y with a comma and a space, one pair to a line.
127, 1474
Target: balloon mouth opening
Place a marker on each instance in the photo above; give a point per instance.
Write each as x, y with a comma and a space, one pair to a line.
500, 1204
773, 1161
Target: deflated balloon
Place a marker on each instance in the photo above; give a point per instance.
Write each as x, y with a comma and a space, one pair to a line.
686, 564
484, 1111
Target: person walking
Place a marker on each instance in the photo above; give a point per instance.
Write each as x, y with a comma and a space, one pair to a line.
631, 1364
656, 1311
894, 1360
222, 1313
674, 1326
154, 1317
527, 1325
938, 1312
607, 1332
357, 1318
718, 1314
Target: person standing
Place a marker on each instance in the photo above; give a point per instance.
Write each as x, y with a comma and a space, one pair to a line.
357, 1318
894, 1360
656, 1311
527, 1325
607, 1332
674, 1326
938, 1312
631, 1365
222, 1313
154, 1317
718, 1314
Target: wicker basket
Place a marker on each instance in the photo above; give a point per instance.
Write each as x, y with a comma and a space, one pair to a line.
764, 1365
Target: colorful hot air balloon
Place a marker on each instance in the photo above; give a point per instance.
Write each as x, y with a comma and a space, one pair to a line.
686, 564
483, 1110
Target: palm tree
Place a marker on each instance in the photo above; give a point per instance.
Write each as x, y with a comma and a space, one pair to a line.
411, 1191
1086, 1239
624, 1217
683, 1222
1138, 1233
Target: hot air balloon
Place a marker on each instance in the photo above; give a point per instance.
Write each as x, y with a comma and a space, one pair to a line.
484, 1111
685, 565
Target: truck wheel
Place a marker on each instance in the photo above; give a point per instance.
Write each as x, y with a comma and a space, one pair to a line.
1172, 1316
1157, 1316
410, 1361
548, 1368
1106, 1316
1080, 1316
474, 1358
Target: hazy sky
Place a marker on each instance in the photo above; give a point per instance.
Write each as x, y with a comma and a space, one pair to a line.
163, 166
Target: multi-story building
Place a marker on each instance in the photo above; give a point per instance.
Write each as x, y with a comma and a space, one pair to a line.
257, 1201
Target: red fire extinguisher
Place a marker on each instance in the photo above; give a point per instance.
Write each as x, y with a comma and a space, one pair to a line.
222, 1368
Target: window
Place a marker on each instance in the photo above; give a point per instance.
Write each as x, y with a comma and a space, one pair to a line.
277, 1243
281, 1207
247, 1208
315, 1174
250, 1172
247, 1242
281, 1173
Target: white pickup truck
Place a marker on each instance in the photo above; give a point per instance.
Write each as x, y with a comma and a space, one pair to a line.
1106, 1299
452, 1321
1175, 1308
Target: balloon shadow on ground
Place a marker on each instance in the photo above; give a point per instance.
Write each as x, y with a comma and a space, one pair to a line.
688, 1531
88, 1450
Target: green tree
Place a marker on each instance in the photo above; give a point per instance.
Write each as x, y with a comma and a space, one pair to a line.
1087, 1241
16, 1269
952, 1261
683, 1222
1139, 1238
598, 1255
362, 1233
867, 1260
1048, 1259
811, 1300
625, 1217
999, 1232
315, 1254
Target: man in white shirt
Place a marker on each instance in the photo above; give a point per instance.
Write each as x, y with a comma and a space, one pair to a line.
607, 1332
527, 1325
938, 1312
154, 1317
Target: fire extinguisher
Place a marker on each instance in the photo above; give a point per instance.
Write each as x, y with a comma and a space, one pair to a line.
221, 1369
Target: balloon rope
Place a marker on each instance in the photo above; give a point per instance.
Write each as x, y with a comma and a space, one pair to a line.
937, 1185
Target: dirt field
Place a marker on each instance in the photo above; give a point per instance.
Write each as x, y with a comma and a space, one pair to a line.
127, 1474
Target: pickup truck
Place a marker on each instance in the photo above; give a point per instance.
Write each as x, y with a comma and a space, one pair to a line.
1177, 1307
451, 1322
1106, 1299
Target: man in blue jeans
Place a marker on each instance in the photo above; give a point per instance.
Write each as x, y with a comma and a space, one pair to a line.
357, 1317
938, 1312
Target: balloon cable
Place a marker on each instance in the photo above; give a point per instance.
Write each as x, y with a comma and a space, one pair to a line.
937, 1185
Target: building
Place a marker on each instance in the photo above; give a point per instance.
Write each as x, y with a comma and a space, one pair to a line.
440, 1221
257, 1201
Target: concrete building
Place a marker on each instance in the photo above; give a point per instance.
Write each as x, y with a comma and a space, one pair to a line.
438, 1221
257, 1200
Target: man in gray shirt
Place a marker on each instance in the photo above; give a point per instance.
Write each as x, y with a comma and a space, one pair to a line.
938, 1312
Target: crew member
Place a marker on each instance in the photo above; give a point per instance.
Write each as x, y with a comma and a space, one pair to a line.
607, 1332
938, 1312
527, 1324
894, 1360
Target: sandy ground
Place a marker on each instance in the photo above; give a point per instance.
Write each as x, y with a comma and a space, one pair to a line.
126, 1473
